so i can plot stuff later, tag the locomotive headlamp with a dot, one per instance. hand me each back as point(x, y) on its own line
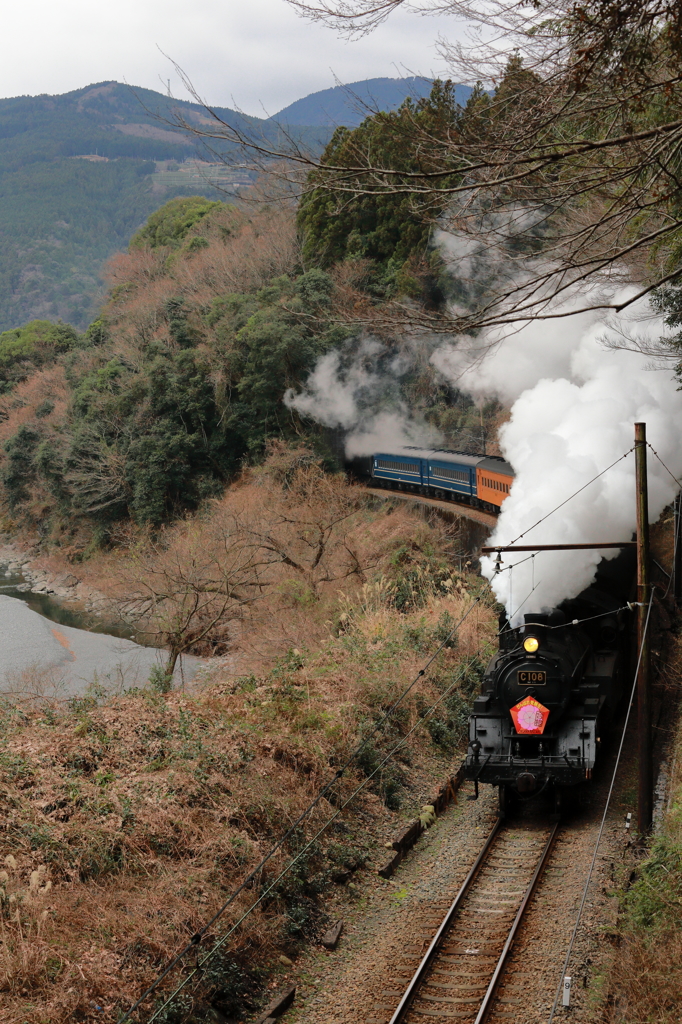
point(531, 644)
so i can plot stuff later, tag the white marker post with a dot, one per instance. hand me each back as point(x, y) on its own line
point(566, 997)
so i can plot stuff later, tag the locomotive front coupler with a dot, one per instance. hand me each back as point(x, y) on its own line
point(478, 773)
point(475, 796)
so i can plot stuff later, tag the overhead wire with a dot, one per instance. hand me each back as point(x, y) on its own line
point(590, 618)
point(575, 494)
point(678, 482)
point(603, 820)
point(223, 939)
point(509, 568)
point(676, 518)
point(198, 935)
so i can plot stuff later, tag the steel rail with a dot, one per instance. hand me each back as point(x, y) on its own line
point(497, 973)
point(437, 940)
point(428, 958)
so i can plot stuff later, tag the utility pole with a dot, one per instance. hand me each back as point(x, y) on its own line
point(645, 789)
point(677, 560)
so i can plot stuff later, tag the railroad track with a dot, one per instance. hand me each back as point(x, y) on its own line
point(459, 973)
point(477, 515)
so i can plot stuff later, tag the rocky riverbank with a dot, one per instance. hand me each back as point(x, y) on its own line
point(62, 584)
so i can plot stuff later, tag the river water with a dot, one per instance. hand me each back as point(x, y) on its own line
point(44, 652)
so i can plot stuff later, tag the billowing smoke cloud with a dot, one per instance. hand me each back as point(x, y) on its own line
point(575, 400)
point(358, 391)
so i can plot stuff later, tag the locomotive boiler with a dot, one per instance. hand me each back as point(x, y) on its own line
point(550, 692)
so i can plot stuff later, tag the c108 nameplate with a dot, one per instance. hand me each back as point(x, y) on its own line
point(531, 677)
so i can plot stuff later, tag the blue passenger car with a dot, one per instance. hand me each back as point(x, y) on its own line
point(406, 466)
point(452, 472)
point(430, 471)
point(483, 481)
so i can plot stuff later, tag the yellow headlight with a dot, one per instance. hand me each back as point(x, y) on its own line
point(531, 644)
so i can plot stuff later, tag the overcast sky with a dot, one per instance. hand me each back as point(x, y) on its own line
point(237, 52)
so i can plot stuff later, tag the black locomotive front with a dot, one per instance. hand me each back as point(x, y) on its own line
point(548, 695)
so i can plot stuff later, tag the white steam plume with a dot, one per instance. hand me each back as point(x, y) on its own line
point(358, 392)
point(575, 400)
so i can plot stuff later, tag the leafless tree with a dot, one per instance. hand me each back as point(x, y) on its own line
point(188, 589)
point(306, 528)
point(565, 178)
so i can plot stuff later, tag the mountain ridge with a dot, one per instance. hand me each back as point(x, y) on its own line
point(81, 171)
point(350, 104)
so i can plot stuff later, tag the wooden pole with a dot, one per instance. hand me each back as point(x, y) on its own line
point(560, 547)
point(645, 789)
point(677, 560)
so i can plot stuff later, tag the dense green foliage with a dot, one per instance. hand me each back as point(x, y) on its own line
point(36, 344)
point(156, 425)
point(172, 222)
point(384, 185)
point(389, 230)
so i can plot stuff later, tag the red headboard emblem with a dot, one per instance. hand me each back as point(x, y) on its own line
point(530, 717)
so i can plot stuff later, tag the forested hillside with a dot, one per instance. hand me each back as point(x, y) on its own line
point(212, 315)
point(62, 216)
point(216, 313)
point(80, 172)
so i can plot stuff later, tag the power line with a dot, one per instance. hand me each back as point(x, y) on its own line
point(676, 529)
point(679, 484)
point(590, 618)
point(198, 936)
point(223, 939)
point(571, 496)
point(603, 820)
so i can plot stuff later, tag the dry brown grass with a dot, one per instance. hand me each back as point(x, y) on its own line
point(145, 812)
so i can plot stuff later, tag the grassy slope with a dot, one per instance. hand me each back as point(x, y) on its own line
point(128, 820)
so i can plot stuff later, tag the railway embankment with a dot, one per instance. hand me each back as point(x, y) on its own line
point(645, 982)
point(611, 897)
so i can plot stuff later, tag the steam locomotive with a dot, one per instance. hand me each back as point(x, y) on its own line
point(550, 692)
point(553, 687)
point(483, 481)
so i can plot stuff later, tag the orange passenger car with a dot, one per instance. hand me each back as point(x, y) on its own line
point(494, 478)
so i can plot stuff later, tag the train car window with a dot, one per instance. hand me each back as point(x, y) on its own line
point(446, 473)
point(398, 467)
